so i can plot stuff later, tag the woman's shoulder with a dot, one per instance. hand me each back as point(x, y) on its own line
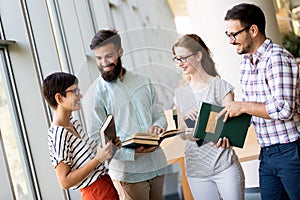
point(56, 134)
point(220, 82)
point(60, 131)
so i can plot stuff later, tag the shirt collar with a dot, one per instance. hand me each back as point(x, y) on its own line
point(260, 52)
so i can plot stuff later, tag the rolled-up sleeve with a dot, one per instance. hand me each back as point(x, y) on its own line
point(282, 79)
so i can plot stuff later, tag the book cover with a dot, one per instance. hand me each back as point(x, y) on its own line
point(148, 139)
point(189, 122)
point(108, 130)
point(211, 129)
point(137, 142)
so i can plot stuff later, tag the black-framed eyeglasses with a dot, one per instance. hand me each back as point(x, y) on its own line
point(182, 59)
point(233, 35)
point(75, 91)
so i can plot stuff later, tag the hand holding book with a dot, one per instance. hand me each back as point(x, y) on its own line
point(107, 133)
point(221, 113)
point(156, 130)
point(210, 126)
point(147, 139)
point(140, 150)
point(223, 142)
point(104, 153)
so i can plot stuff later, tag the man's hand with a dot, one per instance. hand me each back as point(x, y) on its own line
point(156, 130)
point(233, 109)
point(143, 150)
point(220, 114)
point(117, 142)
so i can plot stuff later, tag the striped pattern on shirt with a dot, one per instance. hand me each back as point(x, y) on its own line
point(74, 151)
point(272, 80)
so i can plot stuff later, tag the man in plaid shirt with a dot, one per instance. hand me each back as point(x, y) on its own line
point(270, 89)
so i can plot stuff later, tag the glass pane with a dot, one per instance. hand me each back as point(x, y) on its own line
point(10, 144)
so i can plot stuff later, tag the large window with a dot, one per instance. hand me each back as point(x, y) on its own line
point(11, 154)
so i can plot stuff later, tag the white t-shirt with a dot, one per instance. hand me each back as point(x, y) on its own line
point(205, 160)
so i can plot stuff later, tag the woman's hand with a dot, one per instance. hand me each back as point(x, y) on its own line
point(104, 153)
point(222, 142)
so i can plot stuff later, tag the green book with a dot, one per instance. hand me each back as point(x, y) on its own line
point(210, 129)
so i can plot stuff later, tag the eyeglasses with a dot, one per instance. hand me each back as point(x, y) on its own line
point(75, 91)
point(233, 35)
point(182, 59)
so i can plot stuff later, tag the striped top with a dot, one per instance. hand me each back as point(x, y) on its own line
point(272, 80)
point(74, 151)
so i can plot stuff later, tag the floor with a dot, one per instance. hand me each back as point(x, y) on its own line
point(250, 194)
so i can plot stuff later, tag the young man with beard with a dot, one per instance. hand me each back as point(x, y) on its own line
point(132, 99)
point(271, 94)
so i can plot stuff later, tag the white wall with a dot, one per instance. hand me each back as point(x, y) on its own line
point(207, 20)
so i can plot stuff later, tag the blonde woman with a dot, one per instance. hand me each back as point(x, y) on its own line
point(212, 171)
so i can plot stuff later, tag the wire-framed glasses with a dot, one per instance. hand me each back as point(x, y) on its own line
point(233, 35)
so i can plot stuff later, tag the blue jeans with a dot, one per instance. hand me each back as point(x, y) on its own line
point(279, 171)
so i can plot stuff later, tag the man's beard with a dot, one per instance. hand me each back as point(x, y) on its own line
point(112, 75)
point(246, 48)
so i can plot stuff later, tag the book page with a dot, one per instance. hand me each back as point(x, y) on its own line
point(107, 121)
point(145, 135)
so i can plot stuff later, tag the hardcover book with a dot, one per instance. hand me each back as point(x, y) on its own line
point(148, 139)
point(108, 130)
point(209, 128)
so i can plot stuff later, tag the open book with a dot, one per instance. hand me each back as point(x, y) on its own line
point(209, 128)
point(149, 139)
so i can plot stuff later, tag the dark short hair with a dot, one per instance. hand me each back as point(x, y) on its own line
point(56, 83)
point(248, 14)
point(104, 37)
point(194, 43)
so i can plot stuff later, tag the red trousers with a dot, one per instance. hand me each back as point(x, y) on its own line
point(102, 188)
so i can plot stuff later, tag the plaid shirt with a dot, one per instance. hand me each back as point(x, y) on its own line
point(272, 80)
